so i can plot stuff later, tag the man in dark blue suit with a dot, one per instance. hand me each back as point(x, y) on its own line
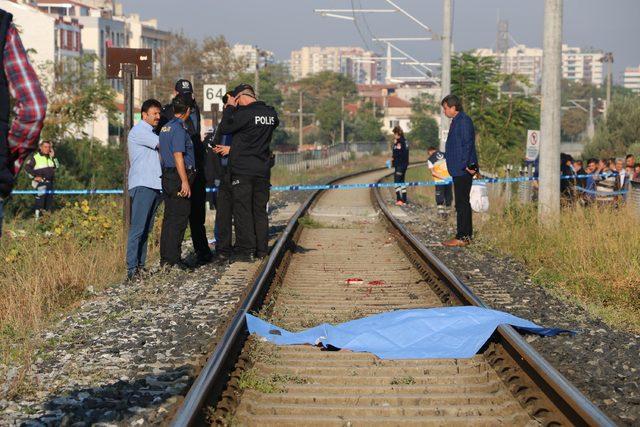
point(462, 163)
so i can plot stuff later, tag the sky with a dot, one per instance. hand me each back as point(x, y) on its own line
point(285, 25)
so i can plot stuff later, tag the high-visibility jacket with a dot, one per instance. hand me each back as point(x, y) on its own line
point(42, 166)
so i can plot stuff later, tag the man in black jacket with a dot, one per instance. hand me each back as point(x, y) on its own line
point(197, 216)
point(251, 123)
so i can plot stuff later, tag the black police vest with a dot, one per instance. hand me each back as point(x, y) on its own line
point(6, 177)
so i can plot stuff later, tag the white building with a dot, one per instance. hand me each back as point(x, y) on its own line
point(632, 78)
point(363, 66)
point(249, 54)
point(41, 42)
point(577, 64)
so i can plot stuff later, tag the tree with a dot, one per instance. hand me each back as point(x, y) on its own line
point(210, 61)
point(424, 128)
point(77, 92)
point(574, 123)
point(620, 134)
point(501, 120)
point(364, 126)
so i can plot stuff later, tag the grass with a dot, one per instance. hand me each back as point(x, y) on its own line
point(49, 266)
point(591, 256)
point(403, 381)
point(251, 379)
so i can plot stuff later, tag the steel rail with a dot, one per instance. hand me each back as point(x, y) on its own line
point(213, 376)
point(567, 398)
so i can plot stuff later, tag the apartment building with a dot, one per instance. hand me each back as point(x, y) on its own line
point(252, 55)
point(577, 64)
point(631, 79)
point(361, 65)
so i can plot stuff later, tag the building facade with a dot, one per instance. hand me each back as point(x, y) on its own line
point(584, 65)
point(252, 56)
point(361, 65)
point(631, 79)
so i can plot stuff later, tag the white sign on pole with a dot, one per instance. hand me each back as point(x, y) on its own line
point(213, 95)
point(533, 145)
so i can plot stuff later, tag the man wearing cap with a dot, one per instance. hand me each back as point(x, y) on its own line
point(197, 216)
point(251, 123)
point(177, 158)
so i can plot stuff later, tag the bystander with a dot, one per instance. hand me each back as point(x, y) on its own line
point(42, 167)
point(144, 185)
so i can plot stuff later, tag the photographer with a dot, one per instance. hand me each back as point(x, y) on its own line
point(462, 164)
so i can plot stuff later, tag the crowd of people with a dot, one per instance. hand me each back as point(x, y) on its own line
point(171, 162)
point(597, 180)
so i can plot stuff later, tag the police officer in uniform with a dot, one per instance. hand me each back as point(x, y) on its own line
point(251, 124)
point(197, 216)
point(222, 176)
point(178, 175)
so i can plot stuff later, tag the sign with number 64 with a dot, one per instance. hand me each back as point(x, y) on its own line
point(213, 95)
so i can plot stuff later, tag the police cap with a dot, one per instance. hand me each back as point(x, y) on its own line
point(241, 88)
point(184, 87)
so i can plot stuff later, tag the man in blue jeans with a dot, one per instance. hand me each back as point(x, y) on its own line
point(144, 185)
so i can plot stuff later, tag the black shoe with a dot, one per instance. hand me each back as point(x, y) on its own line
point(222, 258)
point(261, 255)
point(204, 259)
point(180, 265)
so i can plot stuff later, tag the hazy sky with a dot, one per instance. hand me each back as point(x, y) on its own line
point(285, 25)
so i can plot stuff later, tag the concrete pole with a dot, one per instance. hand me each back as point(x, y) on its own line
point(609, 58)
point(389, 64)
point(591, 127)
point(300, 138)
point(445, 78)
point(342, 119)
point(549, 194)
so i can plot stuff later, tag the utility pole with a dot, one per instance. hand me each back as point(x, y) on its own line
point(549, 194)
point(256, 76)
point(445, 78)
point(300, 138)
point(591, 128)
point(389, 64)
point(608, 59)
point(342, 120)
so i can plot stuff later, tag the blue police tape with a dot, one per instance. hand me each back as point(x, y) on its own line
point(602, 193)
point(317, 186)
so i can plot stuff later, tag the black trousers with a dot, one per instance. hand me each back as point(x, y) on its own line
point(462, 189)
point(250, 198)
point(444, 195)
point(224, 219)
point(44, 201)
point(197, 216)
point(401, 188)
point(176, 217)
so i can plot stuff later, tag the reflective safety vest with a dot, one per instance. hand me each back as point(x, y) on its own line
point(43, 166)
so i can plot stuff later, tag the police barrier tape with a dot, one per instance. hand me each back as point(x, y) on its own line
point(336, 186)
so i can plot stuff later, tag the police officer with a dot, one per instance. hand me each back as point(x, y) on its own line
point(222, 176)
point(251, 124)
point(178, 175)
point(197, 216)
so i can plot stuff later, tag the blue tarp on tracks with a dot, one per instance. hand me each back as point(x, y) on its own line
point(436, 333)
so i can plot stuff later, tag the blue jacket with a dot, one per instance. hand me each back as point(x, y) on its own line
point(461, 145)
point(400, 154)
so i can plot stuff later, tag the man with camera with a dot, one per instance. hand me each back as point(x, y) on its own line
point(178, 175)
point(462, 164)
point(251, 124)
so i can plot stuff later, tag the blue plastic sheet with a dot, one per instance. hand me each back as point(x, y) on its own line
point(449, 332)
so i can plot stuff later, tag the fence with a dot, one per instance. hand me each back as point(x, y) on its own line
point(327, 156)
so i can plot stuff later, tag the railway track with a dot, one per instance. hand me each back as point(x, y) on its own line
point(337, 235)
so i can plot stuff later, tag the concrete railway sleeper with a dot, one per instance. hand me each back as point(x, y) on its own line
point(336, 235)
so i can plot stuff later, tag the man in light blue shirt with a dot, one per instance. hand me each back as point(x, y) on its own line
point(144, 185)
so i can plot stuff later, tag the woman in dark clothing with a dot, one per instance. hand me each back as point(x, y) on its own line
point(400, 162)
